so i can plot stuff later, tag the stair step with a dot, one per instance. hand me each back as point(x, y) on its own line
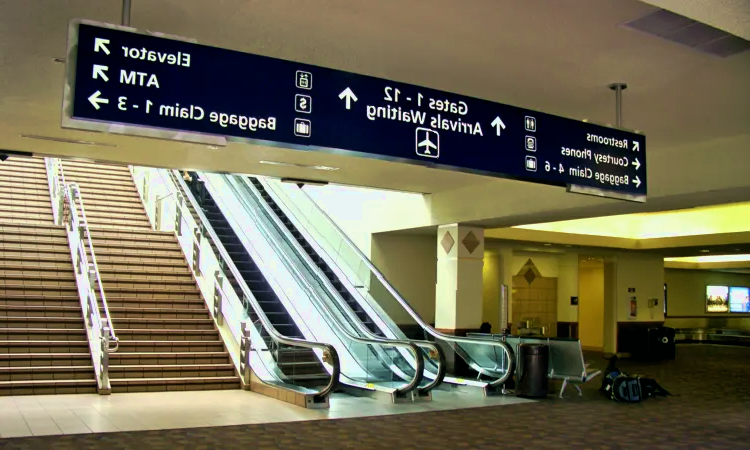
point(40, 373)
point(42, 298)
point(46, 312)
point(151, 271)
point(48, 387)
point(44, 359)
point(115, 233)
point(171, 371)
point(163, 358)
point(117, 282)
point(151, 346)
point(173, 384)
point(163, 334)
point(29, 334)
point(121, 313)
point(31, 323)
point(166, 302)
point(71, 346)
point(154, 293)
point(154, 324)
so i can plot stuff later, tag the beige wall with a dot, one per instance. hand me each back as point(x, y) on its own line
point(567, 286)
point(686, 293)
point(591, 307)
point(409, 263)
point(491, 282)
point(687, 289)
point(645, 273)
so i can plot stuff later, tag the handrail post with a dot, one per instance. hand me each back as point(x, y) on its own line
point(178, 216)
point(197, 251)
point(104, 360)
point(217, 299)
point(245, 349)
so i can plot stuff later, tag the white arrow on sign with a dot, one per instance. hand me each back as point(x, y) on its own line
point(99, 72)
point(636, 146)
point(637, 164)
point(498, 124)
point(96, 100)
point(637, 181)
point(101, 44)
point(349, 97)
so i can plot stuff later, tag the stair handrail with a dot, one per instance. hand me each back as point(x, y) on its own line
point(347, 311)
point(332, 357)
point(506, 350)
point(414, 383)
point(75, 193)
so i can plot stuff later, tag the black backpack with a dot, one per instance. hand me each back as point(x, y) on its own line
point(621, 387)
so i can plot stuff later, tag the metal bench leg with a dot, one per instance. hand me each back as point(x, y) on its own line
point(562, 389)
point(578, 388)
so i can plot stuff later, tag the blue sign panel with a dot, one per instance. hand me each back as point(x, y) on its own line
point(136, 79)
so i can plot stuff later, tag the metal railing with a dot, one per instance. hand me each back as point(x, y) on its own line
point(166, 207)
point(362, 273)
point(101, 333)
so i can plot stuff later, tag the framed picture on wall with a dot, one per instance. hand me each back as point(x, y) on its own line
point(717, 299)
point(739, 299)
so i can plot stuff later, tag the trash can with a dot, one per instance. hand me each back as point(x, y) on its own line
point(660, 343)
point(533, 370)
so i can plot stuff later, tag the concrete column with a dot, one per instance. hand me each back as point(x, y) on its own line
point(458, 305)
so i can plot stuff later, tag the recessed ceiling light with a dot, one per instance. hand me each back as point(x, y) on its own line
point(66, 141)
point(548, 245)
point(704, 250)
point(212, 147)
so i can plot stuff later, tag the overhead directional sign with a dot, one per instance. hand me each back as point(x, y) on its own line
point(121, 76)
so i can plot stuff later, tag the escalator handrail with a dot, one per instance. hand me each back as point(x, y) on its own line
point(405, 304)
point(267, 325)
point(418, 356)
point(441, 369)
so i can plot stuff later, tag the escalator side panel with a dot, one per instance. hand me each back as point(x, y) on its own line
point(301, 366)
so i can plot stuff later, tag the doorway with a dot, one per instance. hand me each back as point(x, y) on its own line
point(591, 302)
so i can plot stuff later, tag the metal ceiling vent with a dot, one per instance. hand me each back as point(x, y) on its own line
point(682, 30)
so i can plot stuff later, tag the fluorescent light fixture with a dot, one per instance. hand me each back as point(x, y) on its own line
point(301, 166)
point(303, 181)
point(66, 141)
point(711, 259)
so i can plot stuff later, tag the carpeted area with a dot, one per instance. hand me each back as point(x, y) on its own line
point(710, 409)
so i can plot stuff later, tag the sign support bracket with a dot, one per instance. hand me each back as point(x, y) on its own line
point(125, 13)
point(618, 88)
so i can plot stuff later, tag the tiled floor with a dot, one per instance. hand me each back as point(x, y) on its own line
point(91, 413)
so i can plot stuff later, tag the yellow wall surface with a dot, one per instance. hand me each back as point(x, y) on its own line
point(408, 262)
point(645, 274)
point(491, 282)
point(686, 299)
point(591, 307)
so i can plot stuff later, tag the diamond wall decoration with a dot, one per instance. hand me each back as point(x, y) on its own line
point(447, 242)
point(471, 242)
point(529, 276)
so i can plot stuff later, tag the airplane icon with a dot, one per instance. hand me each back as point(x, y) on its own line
point(428, 143)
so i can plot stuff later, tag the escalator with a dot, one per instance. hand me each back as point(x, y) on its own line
point(300, 366)
point(492, 362)
point(319, 261)
point(380, 366)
